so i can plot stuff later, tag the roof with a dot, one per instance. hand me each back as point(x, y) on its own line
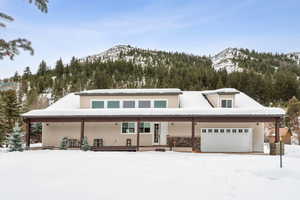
point(142, 91)
point(192, 103)
point(222, 91)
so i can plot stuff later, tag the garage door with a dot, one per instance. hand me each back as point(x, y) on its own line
point(226, 139)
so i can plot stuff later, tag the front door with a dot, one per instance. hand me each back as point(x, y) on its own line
point(156, 134)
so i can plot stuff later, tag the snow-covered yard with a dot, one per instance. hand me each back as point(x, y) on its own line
point(78, 175)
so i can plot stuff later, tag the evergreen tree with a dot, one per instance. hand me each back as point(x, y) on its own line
point(15, 140)
point(42, 70)
point(11, 108)
point(85, 145)
point(64, 143)
point(3, 124)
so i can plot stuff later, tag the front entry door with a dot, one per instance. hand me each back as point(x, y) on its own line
point(156, 134)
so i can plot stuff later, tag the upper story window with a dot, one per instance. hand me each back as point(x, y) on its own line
point(144, 104)
point(128, 104)
point(160, 104)
point(226, 103)
point(97, 104)
point(113, 104)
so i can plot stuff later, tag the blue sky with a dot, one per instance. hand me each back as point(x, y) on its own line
point(85, 27)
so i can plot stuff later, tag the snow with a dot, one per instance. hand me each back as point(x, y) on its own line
point(77, 175)
point(221, 90)
point(223, 60)
point(158, 112)
point(133, 91)
point(192, 103)
point(193, 99)
point(70, 101)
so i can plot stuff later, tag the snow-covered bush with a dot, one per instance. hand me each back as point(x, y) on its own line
point(85, 145)
point(64, 143)
point(15, 140)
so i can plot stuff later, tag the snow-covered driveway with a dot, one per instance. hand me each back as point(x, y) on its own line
point(77, 175)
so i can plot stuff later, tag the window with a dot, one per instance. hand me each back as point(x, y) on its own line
point(240, 130)
point(226, 103)
point(73, 143)
point(98, 143)
point(144, 104)
point(128, 127)
point(227, 130)
point(145, 127)
point(203, 130)
point(128, 104)
point(210, 130)
point(222, 130)
point(216, 130)
point(160, 104)
point(113, 104)
point(97, 104)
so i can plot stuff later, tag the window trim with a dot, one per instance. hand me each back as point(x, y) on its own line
point(151, 128)
point(135, 128)
point(113, 100)
point(166, 100)
point(91, 103)
point(138, 100)
point(226, 99)
point(121, 103)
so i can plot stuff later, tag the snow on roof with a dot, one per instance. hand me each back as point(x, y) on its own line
point(193, 99)
point(192, 103)
point(221, 91)
point(156, 112)
point(70, 101)
point(131, 91)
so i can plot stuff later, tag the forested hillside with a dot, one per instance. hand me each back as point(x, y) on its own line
point(269, 78)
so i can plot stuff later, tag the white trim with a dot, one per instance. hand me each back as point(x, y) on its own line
point(91, 103)
point(167, 103)
point(226, 98)
point(135, 128)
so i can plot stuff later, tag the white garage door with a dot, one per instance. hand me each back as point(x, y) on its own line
point(226, 139)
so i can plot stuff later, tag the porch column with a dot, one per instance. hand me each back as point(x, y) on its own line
point(138, 136)
point(193, 135)
point(277, 130)
point(28, 132)
point(82, 132)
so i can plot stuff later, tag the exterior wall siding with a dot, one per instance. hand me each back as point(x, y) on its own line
point(111, 133)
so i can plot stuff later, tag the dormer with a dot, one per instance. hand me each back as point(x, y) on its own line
point(221, 98)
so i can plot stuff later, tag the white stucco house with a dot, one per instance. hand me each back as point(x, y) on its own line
point(222, 120)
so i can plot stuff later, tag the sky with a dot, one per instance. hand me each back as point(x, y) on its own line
point(203, 27)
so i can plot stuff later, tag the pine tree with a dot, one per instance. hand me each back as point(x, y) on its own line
point(85, 145)
point(64, 143)
point(15, 140)
point(3, 124)
point(11, 108)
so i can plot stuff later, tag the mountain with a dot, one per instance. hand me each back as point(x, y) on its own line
point(224, 60)
point(267, 77)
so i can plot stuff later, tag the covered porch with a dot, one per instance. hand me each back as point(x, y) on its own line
point(191, 141)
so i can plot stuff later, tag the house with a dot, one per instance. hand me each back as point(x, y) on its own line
point(284, 133)
point(222, 120)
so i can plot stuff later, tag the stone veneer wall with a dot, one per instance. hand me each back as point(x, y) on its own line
point(183, 142)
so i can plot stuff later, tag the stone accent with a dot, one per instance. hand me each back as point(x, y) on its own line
point(275, 148)
point(183, 142)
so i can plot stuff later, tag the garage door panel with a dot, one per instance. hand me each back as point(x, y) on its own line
point(230, 140)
